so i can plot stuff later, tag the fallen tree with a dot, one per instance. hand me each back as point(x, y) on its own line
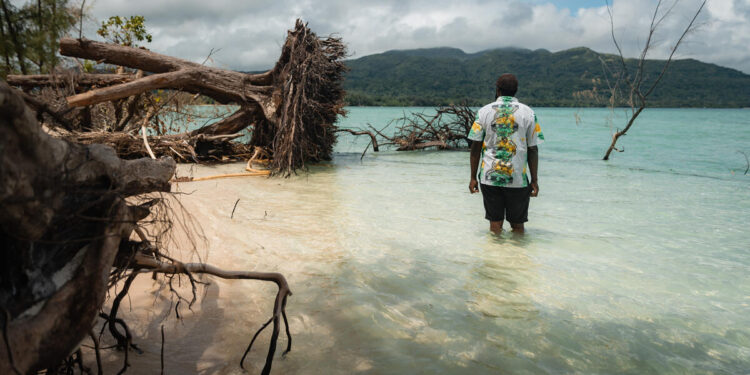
point(447, 129)
point(292, 108)
point(73, 222)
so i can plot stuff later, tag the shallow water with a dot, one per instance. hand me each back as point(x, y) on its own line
point(637, 265)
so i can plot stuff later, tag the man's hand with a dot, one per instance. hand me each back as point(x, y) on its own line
point(473, 186)
point(534, 189)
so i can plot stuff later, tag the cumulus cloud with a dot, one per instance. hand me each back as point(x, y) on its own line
point(248, 34)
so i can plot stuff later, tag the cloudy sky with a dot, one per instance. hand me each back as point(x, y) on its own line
point(248, 33)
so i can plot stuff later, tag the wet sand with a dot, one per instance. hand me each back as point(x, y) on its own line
point(266, 233)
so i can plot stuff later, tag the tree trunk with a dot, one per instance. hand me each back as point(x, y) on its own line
point(14, 37)
point(60, 80)
point(6, 53)
point(222, 85)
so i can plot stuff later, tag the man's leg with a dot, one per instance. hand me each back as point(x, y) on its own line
point(494, 207)
point(496, 227)
point(516, 227)
point(516, 207)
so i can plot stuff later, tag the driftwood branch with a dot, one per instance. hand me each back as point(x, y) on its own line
point(373, 139)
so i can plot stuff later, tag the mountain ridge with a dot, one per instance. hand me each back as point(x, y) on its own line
point(572, 77)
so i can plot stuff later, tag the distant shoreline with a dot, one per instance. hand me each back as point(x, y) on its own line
point(537, 106)
point(479, 106)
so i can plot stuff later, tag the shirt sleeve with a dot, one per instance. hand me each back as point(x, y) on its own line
point(477, 129)
point(534, 134)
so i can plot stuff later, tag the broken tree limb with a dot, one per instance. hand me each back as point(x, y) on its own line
point(145, 143)
point(423, 145)
point(373, 139)
point(131, 88)
point(234, 123)
point(79, 80)
point(218, 176)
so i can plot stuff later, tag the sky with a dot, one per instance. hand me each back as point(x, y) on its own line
point(247, 34)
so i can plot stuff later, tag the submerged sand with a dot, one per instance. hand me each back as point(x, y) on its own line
point(273, 229)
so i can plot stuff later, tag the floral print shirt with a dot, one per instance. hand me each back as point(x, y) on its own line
point(506, 128)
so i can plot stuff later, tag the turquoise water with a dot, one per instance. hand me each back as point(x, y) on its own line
point(638, 265)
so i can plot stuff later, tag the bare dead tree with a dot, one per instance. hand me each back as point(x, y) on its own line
point(634, 78)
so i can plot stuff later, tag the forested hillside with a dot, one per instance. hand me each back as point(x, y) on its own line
point(437, 76)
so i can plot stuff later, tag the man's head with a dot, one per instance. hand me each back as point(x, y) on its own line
point(506, 85)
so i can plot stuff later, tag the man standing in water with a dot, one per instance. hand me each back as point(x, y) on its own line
point(505, 134)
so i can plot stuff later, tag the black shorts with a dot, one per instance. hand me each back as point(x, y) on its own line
point(511, 204)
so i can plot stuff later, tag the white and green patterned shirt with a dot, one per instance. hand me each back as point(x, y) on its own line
point(507, 129)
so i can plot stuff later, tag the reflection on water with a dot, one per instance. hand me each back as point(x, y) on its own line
point(504, 280)
point(393, 271)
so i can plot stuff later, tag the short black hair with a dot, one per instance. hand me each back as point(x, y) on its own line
point(506, 85)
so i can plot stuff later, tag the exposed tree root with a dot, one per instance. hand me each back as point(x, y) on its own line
point(97, 352)
point(161, 352)
point(123, 340)
point(67, 213)
point(152, 264)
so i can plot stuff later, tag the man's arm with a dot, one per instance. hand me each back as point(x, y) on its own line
point(476, 151)
point(533, 156)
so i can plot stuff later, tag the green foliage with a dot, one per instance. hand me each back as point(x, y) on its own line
point(125, 30)
point(570, 78)
point(88, 66)
point(30, 34)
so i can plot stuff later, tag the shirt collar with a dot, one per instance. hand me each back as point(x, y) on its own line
point(511, 99)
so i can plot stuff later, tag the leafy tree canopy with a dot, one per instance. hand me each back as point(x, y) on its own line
point(126, 31)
